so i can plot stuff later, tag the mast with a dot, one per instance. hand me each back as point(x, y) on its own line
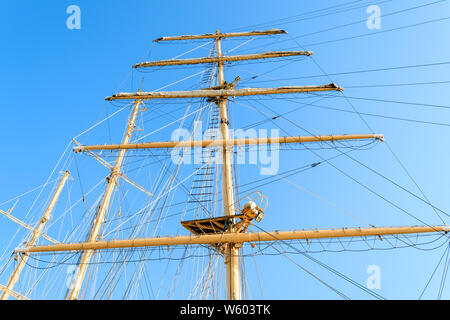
point(231, 238)
point(223, 35)
point(238, 238)
point(26, 226)
point(220, 95)
point(231, 253)
point(266, 55)
point(211, 93)
point(228, 142)
point(83, 263)
point(8, 290)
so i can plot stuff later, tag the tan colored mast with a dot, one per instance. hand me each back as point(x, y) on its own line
point(83, 264)
point(211, 93)
point(228, 142)
point(107, 165)
point(231, 253)
point(8, 290)
point(16, 295)
point(231, 237)
point(222, 35)
point(26, 226)
point(265, 55)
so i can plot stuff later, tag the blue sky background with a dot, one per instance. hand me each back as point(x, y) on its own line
point(54, 81)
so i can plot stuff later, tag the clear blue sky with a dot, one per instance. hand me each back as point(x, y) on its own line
point(54, 81)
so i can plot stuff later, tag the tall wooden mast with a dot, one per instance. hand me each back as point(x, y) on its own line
point(8, 290)
point(231, 253)
point(83, 263)
point(237, 238)
point(231, 238)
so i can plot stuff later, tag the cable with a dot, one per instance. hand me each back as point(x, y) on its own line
point(384, 116)
point(396, 84)
point(444, 276)
point(373, 33)
point(312, 274)
point(318, 13)
point(377, 296)
point(392, 152)
point(429, 280)
point(354, 72)
point(393, 101)
point(358, 21)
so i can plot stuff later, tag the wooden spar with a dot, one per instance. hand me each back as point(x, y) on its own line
point(33, 238)
point(265, 55)
point(229, 142)
point(74, 291)
point(222, 35)
point(231, 237)
point(16, 295)
point(107, 165)
point(26, 226)
point(231, 253)
point(223, 92)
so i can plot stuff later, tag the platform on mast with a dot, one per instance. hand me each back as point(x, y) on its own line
point(210, 225)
